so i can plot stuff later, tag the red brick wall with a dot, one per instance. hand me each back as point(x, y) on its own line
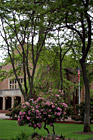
point(4, 83)
point(83, 92)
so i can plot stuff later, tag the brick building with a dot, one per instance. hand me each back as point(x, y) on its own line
point(72, 76)
point(9, 91)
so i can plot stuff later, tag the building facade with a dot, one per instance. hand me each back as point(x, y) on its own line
point(9, 91)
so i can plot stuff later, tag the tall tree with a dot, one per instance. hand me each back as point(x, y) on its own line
point(76, 16)
point(24, 30)
point(81, 24)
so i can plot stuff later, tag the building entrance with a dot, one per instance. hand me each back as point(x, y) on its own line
point(1, 103)
point(8, 103)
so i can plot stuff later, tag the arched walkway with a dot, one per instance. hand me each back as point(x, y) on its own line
point(1, 103)
point(7, 103)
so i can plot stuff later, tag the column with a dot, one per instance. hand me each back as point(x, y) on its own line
point(4, 103)
point(12, 103)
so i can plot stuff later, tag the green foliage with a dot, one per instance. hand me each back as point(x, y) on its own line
point(48, 72)
point(14, 112)
point(78, 113)
point(3, 74)
point(1, 64)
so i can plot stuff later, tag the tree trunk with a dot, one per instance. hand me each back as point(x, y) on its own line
point(61, 76)
point(31, 88)
point(32, 80)
point(87, 98)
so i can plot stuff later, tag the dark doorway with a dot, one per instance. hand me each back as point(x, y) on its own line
point(8, 103)
point(17, 100)
point(1, 103)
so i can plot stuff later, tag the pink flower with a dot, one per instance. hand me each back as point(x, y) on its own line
point(59, 113)
point(27, 103)
point(28, 118)
point(20, 113)
point(31, 100)
point(50, 110)
point(39, 98)
point(53, 106)
point(29, 112)
point(44, 113)
point(62, 93)
point(24, 106)
point(36, 106)
point(65, 105)
point(49, 115)
point(37, 111)
point(33, 110)
point(55, 113)
point(42, 110)
point(60, 90)
point(57, 95)
point(24, 113)
point(57, 138)
point(39, 125)
point(58, 108)
point(19, 119)
point(47, 103)
point(64, 112)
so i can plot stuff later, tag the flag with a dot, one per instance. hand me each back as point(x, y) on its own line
point(78, 74)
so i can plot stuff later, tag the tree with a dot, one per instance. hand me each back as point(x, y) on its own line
point(25, 28)
point(80, 23)
point(75, 15)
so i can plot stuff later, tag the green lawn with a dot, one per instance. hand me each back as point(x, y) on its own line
point(9, 129)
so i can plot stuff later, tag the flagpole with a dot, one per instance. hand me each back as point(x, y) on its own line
point(79, 90)
point(78, 85)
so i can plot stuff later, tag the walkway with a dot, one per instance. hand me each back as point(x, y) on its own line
point(3, 116)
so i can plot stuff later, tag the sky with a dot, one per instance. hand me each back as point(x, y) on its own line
point(2, 51)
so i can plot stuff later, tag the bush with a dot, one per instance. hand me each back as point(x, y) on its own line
point(47, 110)
point(79, 114)
point(14, 112)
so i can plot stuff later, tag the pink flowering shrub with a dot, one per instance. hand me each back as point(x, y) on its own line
point(30, 114)
point(48, 110)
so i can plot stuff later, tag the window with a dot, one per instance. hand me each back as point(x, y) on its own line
point(13, 84)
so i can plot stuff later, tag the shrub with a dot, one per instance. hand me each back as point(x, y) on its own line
point(79, 114)
point(14, 112)
point(47, 110)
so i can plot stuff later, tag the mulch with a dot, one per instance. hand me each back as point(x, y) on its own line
point(72, 122)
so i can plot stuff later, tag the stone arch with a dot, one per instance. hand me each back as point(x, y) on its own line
point(7, 102)
point(17, 100)
point(1, 103)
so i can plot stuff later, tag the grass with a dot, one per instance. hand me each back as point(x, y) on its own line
point(9, 129)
